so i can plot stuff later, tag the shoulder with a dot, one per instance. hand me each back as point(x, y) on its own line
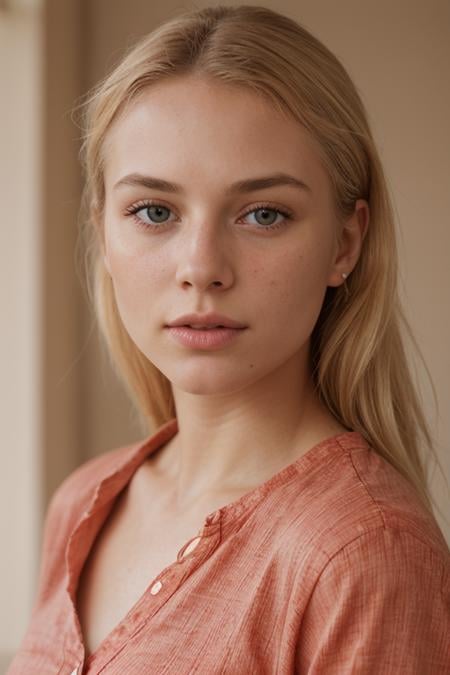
point(77, 490)
point(99, 479)
point(381, 603)
point(352, 499)
point(91, 470)
point(372, 574)
point(78, 505)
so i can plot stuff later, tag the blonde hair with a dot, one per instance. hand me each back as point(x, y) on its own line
point(358, 358)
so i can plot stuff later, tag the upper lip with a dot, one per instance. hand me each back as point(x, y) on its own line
point(210, 319)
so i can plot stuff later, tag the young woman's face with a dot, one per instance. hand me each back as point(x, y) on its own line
point(263, 257)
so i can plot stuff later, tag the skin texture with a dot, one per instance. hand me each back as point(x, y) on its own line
point(248, 409)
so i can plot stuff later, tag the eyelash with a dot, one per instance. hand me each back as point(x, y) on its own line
point(133, 210)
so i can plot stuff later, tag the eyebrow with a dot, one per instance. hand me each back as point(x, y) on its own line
point(239, 187)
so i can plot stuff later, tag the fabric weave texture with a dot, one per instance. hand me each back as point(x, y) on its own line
point(330, 567)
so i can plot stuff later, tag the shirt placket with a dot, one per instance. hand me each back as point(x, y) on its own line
point(192, 554)
point(77, 550)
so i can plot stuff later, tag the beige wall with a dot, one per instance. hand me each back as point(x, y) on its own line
point(20, 198)
point(39, 193)
point(62, 404)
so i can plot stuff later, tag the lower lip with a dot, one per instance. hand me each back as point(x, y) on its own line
point(204, 339)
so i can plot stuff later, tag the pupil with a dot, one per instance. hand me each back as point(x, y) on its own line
point(159, 211)
point(266, 213)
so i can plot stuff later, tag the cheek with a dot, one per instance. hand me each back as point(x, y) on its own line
point(295, 285)
point(132, 264)
point(136, 279)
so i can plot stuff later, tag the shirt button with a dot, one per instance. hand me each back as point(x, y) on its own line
point(156, 588)
point(191, 546)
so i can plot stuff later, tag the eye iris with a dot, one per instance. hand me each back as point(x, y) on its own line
point(156, 210)
point(158, 214)
point(268, 212)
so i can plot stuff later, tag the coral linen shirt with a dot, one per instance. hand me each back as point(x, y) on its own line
point(331, 566)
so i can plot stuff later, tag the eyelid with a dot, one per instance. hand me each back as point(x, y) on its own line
point(269, 205)
point(142, 203)
point(246, 210)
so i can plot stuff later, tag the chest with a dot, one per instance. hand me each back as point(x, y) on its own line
point(127, 555)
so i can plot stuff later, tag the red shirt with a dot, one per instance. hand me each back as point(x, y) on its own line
point(331, 566)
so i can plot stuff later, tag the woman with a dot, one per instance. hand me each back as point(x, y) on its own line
point(244, 267)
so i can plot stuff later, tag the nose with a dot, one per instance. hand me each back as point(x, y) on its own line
point(205, 259)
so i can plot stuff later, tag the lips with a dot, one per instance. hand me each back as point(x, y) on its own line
point(206, 321)
point(189, 325)
point(204, 338)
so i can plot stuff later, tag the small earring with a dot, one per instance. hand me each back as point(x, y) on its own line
point(344, 275)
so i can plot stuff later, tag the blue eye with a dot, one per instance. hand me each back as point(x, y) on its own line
point(156, 211)
point(153, 211)
point(267, 209)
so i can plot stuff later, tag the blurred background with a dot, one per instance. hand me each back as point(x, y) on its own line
point(60, 402)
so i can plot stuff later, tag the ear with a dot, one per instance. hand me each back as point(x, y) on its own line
point(349, 246)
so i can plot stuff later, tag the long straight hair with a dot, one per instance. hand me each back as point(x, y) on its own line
point(358, 355)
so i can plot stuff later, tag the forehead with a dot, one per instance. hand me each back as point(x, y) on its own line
point(207, 126)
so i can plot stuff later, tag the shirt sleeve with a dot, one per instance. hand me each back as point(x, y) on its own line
point(380, 606)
